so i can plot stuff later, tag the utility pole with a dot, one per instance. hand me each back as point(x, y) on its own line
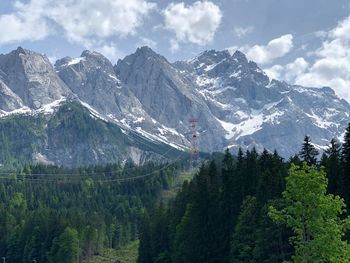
point(194, 137)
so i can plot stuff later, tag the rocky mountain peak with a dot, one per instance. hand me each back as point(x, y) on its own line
point(142, 56)
point(147, 51)
point(20, 50)
point(94, 55)
point(31, 77)
point(86, 53)
point(234, 101)
point(205, 60)
point(89, 60)
point(240, 57)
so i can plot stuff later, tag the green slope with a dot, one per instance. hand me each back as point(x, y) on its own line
point(70, 137)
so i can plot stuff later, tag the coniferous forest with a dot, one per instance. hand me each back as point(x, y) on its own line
point(257, 208)
point(251, 207)
point(53, 214)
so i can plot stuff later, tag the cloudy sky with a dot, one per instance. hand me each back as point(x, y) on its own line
point(302, 42)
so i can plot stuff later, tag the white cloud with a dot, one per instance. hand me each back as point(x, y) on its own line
point(296, 68)
point(174, 45)
point(321, 34)
point(243, 31)
point(276, 48)
point(332, 64)
point(275, 72)
point(195, 23)
point(80, 21)
point(144, 41)
point(109, 50)
point(25, 23)
point(85, 19)
point(288, 72)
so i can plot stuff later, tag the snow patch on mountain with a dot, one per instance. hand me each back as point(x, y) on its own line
point(76, 61)
point(320, 121)
point(94, 113)
point(49, 108)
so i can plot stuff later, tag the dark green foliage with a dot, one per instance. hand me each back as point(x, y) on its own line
point(145, 248)
point(331, 161)
point(345, 175)
point(222, 215)
point(65, 247)
point(207, 221)
point(272, 240)
point(47, 209)
point(308, 152)
point(244, 235)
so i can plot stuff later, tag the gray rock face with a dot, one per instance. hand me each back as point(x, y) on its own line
point(92, 79)
point(9, 101)
point(32, 78)
point(257, 112)
point(168, 95)
point(234, 101)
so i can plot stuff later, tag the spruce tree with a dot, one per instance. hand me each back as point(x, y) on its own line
point(271, 178)
point(145, 248)
point(272, 241)
point(332, 164)
point(345, 173)
point(65, 248)
point(227, 203)
point(308, 152)
point(244, 236)
point(251, 175)
point(186, 247)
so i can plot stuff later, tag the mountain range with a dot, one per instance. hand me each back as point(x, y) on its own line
point(86, 110)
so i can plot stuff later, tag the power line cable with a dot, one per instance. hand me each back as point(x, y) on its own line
point(80, 178)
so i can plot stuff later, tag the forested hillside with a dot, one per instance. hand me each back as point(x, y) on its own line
point(73, 137)
point(257, 208)
point(253, 207)
point(53, 214)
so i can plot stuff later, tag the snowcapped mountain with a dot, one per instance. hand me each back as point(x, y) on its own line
point(257, 111)
point(234, 101)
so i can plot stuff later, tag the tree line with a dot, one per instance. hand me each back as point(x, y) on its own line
point(257, 208)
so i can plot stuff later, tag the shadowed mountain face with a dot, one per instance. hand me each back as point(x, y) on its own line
point(234, 101)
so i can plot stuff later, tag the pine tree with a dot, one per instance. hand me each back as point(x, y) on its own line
point(295, 160)
point(332, 165)
point(145, 248)
point(271, 179)
point(345, 173)
point(252, 172)
point(308, 152)
point(244, 236)
point(65, 248)
point(159, 233)
point(228, 206)
point(272, 241)
point(186, 249)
